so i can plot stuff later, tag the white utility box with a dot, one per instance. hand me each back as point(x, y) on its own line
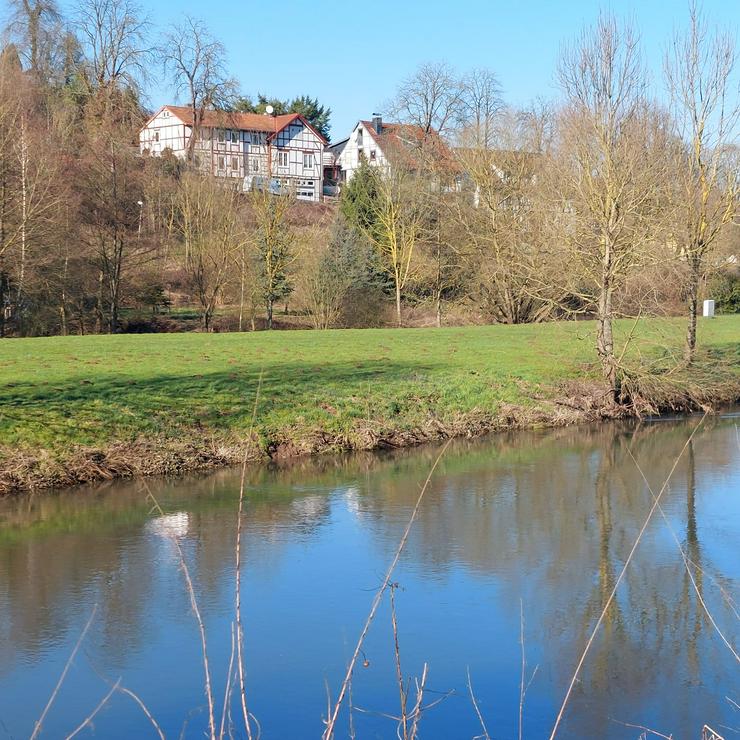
point(709, 308)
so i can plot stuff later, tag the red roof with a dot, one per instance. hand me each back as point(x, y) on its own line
point(399, 139)
point(238, 121)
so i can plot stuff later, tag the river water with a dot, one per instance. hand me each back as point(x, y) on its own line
point(518, 534)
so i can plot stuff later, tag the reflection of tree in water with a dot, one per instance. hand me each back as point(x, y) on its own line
point(552, 519)
point(547, 516)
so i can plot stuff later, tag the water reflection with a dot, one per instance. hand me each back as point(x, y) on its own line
point(547, 518)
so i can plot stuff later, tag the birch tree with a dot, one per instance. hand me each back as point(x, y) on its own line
point(698, 69)
point(398, 217)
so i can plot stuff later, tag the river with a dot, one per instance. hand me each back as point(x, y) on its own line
point(518, 534)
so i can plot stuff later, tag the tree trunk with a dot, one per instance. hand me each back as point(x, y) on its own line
point(398, 302)
point(241, 299)
point(693, 302)
point(3, 280)
point(269, 313)
point(99, 304)
point(605, 342)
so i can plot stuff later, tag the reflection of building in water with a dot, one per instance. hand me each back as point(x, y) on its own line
point(548, 518)
point(351, 496)
point(310, 506)
point(169, 525)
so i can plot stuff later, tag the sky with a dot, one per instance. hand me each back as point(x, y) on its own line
point(352, 55)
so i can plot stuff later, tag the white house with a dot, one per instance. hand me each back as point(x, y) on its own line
point(366, 142)
point(381, 144)
point(283, 151)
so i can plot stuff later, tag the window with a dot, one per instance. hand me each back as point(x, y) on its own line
point(235, 137)
point(222, 163)
point(203, 134)
point(235, 164)
point(255, 164)
point(307, 160)
point(372, 155)
point(283, 159)
point(255, 138)
point(221, 135)
point(156, 136)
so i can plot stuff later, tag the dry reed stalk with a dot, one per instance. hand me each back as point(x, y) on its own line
point(522, 687)
point(399, 673)
point(227, 692)
point(133, 696)
point(67, 665)
point(524, 667)
point(609, 600)
point(88, 720)
point(198, 618)
point(485, 735)
point(685, 561)
point(144, 709)
point(238, 570)
point(645, 730)
point(418, 707)
point(332, 716)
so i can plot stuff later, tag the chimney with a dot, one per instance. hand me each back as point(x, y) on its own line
point(378, 123)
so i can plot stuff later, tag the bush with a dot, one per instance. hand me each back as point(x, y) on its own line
point(725, 290)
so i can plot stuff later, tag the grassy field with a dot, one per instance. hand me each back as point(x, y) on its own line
point(69, 396)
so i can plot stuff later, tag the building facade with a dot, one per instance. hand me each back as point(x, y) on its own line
point(284, 153)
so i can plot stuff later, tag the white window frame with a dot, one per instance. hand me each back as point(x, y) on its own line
point(255, 165)
point(310, 156)
point(221, 136)
point(221, 163)
point(283, 156)
point(235, 164)
point(255, 138)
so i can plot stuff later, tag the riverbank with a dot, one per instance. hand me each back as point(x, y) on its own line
point(80, 409)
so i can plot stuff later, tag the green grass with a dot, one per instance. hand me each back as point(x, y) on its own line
point(58, 393)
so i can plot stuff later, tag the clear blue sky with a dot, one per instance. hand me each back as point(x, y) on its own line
point(351, 55)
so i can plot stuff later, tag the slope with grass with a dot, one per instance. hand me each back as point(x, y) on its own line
point(74, 409)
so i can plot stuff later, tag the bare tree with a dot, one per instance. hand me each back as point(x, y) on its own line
point(32, 24)
point(607, 183)
point(398, 216)
point(698, 70)
point(481, 103)
point(431, 98)
point(196, 62)
point(114, 35)
point(273, 246)
point(212, 234)
point(29, 200)
point(504, 218)
point(110, 181)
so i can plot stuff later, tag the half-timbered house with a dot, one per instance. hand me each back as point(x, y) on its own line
point(282, 152)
